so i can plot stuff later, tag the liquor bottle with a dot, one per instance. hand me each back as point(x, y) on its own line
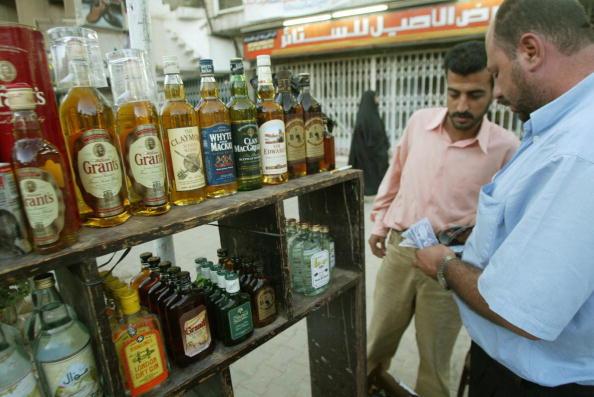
point(244, 128)
point(147, 283)
point(167, 296)
point(188, 324)
point(164, 268)
point(167, 287)
point(234, 315)
point(181, 138)
point(137, 126)
point(294, 126)
point(328, 244)
point(139, 345)
point(203, 276)
point(144, 270)
point(217, 140)
point(17, 372)
point(271, 128)
point(224, 260)
point(291, 230)
point(42, 177)
point(316, 264)
point(88, 127)
point(246, 276)
point(314, 126)
point(64, 356)
point(263, 298)
point(329, 162)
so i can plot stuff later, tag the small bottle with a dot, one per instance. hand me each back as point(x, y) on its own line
point(64, 355)
point(188, 324)
point(217, 139)
point(43, 179)
point(246, 276)
point(244, 127)
point(263, 299)
point(181, 138)
point(211, 273)
point(154, 289)
point(166, 290)
point(235, 314)
point(203, 278)
point(294, 125)
point(291, 230)
point(144, 270)
point(271, 128)
point(328, 244)
point(154, 276)
point(316, 264)
point(17, 377)
point(139, 345)
point(314, 126)
point(329, 162)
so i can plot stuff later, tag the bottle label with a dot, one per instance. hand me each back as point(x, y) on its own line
point(75, 376)
point(240, 320)
point(295, 140)
point(332, 253)
point(12, 217)
point(320, 269)
point(218, 154)
point(44, 204)
point(146, 168)
point(195, 331)
point(246, 146)
point(24, 387)
point(314, 133)
point(266, 303)
point(144, 359)
point(186, 158)
point(272, 146)
point(100, 172)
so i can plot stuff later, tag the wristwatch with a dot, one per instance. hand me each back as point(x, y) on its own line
point(441, 271)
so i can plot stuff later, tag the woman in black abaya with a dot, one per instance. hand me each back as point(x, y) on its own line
point(369, 147)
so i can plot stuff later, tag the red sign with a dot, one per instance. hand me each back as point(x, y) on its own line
point(447, 20)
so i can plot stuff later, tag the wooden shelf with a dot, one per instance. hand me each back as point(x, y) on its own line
point(223, 356)
point(96, 242)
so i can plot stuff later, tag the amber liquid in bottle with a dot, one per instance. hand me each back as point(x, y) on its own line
point(271, 128)
point(263, 301)
point(88, 127)
point(314, 126)
point(294, 126)
point(181, 140)
point(42, 178)
point(329, 162)
point(217, 141)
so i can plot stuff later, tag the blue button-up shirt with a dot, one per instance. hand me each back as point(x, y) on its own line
point(534, 238)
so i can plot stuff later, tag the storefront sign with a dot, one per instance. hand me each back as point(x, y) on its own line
point(448, 20)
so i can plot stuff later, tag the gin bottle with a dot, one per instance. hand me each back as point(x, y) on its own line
point(315, 262)
point(296, 258)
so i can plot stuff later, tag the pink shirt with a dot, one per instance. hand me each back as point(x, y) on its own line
point(432, 177)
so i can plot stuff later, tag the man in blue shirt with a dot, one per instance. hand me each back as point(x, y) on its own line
point(525, 284)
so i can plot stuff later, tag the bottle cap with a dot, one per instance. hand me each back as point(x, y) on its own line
point(315, 228)
point(263, 60)
point(164, 266)
point(303, 79)
point(20, 96)
point(130, 302)
point(121, 290)
point(184, 277)
point(145, 256)
point(232, 284)
point(237, 66)
point(200, 260)
point(154, 262)
point(206, 67)
point(304, 226)
point(221, 252)
point(43, 281)
point(170, 65)
point(324, 229)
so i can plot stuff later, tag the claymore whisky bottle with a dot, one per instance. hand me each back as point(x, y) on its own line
point(314, 126)
point(88, 127)
point(294, 126)
point(271, 127)
point(181, 138)
point(42, 176)
point(244, 127)
point(217, 140)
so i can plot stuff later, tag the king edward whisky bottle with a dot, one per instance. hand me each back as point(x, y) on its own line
point(294, 126)
point(181, 140)
point(314, 126)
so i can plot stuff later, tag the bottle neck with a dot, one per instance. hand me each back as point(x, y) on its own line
point(265, 86)
point(46, 296)
point(208, 87)
point(81, 74)
point(185, 288)
point(26, 124)
point(135, 89)
point(55, 317)
point(238, 86)
point(174, 87)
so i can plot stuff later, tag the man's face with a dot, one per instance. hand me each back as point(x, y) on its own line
point(469, 98)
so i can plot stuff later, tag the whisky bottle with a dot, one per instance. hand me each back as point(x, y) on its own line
point(17, 377)
point(88, 127)
point(314, 126)
point(234, 315)
point(294, 126)
point(137, 126)
point(148, 282)
point(181, 138)
point(217, 140)
point(263, 298)
point(164, 268)
point(271, 128)
point(144, 270)
point(244, 128)
point(329, 161)
point(167, 286)
point(42, 176)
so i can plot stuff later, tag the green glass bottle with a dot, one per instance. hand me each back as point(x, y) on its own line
point(244, 127)
point(203, 276)
point(234, 315)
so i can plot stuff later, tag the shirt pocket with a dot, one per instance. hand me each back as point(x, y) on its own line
point(488, 230)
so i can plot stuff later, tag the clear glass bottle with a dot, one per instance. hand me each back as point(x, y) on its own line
point(217, 139)
point(315, 264)
point(43, 179)
point(234, 314)
point(296, 258)
point(328, 244)
point(181, 138)
point(64, 355)
point(294, 125)
point(246, 144)
point(144, 270)
point(314, 125)
point(18, 379)
point(271, 128)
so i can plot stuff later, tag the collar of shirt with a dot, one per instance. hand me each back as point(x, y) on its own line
point(437, 123)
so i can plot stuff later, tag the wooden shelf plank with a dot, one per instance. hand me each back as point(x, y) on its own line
point(223, 356)
point(96, 242)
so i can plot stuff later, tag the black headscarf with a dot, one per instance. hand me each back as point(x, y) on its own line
point(369, 123)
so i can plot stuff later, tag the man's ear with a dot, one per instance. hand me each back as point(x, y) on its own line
point(531, 51)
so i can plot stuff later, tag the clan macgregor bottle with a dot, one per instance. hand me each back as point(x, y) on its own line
point(294, 126)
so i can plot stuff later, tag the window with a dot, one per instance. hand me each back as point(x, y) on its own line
point(224, 5)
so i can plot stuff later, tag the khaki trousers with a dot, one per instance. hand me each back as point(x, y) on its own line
point(402, 291)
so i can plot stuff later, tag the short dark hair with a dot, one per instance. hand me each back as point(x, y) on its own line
point(466, 58)
point(563, 22)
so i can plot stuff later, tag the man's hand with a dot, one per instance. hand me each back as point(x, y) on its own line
point(428, 259)
point(378, 245)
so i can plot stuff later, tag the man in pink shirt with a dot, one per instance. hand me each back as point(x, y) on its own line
point(438, 167)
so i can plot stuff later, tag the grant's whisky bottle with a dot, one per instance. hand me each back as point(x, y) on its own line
point(244, 127)
point(271, 127)
point(294, 126)
point(314, 126)
point(217, 141)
